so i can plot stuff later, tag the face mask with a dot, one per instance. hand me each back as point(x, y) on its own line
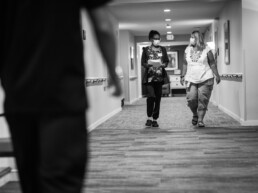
point(156, 42)
point(192, 41)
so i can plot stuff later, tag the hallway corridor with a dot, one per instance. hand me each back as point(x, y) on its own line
point(62, 57)
point(177, 158)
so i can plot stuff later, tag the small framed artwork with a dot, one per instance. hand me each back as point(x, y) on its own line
point(132, 57)
point(227, 42)
point(132, 63)
point(173, 60)
point(131, 52)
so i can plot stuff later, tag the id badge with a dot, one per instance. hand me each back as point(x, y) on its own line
point(187, 84)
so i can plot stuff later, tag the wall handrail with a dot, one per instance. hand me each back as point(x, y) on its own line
point(232, 77)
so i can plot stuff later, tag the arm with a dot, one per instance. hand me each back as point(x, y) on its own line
point(106, 39)
point(144, 60)
point(213, 66)
point(182, 80)
point(165, 58)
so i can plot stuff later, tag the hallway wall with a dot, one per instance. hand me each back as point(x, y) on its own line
point(129, 66)
point(228, 95)
point(250, 42)
point(102, 105)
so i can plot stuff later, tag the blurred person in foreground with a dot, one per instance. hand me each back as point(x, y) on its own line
point(199, 69)
point(42, 74)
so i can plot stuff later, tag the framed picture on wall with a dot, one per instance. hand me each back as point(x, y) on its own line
point(132, 63)
point(173, 60)
point(132, 57)
point(227, 42)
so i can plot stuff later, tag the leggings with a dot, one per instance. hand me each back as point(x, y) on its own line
point(154, 93)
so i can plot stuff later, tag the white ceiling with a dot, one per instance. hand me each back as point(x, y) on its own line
point(141, 16)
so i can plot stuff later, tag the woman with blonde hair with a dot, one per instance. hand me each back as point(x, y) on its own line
point(198, 73)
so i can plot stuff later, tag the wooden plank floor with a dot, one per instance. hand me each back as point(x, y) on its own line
point(177, 157)
point(125, 157)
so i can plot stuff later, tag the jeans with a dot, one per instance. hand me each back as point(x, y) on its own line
point(198, 95)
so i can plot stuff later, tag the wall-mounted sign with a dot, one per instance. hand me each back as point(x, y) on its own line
point(170, 37)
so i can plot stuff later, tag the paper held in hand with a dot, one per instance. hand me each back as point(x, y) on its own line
point(155, 63)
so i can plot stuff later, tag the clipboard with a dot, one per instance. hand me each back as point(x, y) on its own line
point(155, 63)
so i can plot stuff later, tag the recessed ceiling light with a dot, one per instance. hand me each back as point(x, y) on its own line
point(169, 32)
point(166, 10)
point(168, 26)
point(167, 19)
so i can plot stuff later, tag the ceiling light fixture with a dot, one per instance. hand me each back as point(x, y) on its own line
point(166, 10)
point(169, 32)
point(167, 19)
point(168, 26)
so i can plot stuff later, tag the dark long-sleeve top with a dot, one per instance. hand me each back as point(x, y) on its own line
point(148, 53)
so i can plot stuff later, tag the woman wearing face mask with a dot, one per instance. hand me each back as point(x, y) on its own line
point(198, 73)
point(154, 60)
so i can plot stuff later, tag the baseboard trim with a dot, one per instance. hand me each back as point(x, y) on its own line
point(103, 119)
point(5, 176)
point(236, 117)
point(11, 176)
point(249, 122)
point(4, 180)
point(230, 113)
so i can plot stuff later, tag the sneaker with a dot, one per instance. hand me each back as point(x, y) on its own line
point(201, 124)
point(148, 123)
point(195, 120)
point(155, 124)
